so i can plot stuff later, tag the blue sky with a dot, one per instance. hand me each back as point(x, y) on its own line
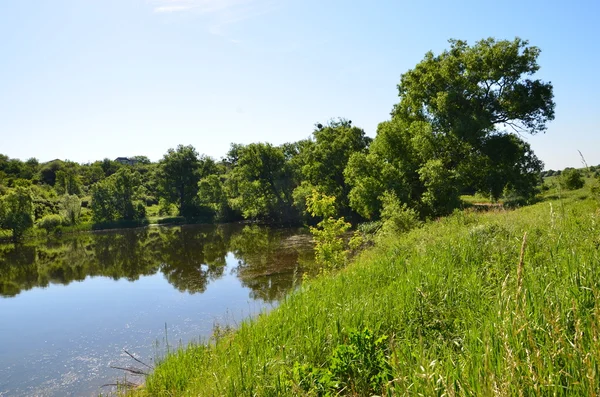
point(89, 79)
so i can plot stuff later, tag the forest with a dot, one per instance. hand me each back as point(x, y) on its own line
point(458, 128)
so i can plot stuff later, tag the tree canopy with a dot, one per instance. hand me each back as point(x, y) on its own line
point(459, 127)
point(469, 91)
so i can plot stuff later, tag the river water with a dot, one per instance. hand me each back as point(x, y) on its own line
point(71, 306)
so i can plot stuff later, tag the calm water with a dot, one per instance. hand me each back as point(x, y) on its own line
point(70, 306)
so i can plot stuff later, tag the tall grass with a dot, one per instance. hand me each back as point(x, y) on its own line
point(467, 306)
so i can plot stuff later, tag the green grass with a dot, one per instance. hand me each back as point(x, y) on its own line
point(477, 199)
point(462, 313)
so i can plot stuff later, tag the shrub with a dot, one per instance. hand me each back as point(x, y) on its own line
point(397, 217)
point(572, 179)
point(166, 208)
point(330, 248)
point(50, 222)
point(360, 366)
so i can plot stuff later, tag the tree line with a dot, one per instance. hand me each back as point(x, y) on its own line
point(458, 128)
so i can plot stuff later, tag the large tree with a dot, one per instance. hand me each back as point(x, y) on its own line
point(261, 184)
point(322, 161)
point(116, 197)
point(473, 91)
point(454, 128)
point(178, 176)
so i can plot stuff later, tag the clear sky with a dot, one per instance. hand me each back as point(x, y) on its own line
point(88, 79)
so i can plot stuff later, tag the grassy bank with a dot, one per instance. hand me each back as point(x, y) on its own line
point(463, 306)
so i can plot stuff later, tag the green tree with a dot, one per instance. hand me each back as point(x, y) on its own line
point(126, 185)
point(330, 247)
point(469, 91)
point(116, 197)
point(211, 193)
point(396, 216)
point(323, 159)
point(67, 182)
point(91, 173)
point(48, 171)
point(452, 129)
point(103, 204)
point(70, 208)
point(50, 222)
point(261, 184)
point(178, 177)
point(31, 168)
point(510, 165)
point(392, 165)
point(572, 179)
point(16, 212)
point(143, 160)
point(109, 166)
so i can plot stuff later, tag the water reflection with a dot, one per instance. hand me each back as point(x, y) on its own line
point(190, 257)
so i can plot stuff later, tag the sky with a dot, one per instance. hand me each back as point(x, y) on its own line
point(88, 79)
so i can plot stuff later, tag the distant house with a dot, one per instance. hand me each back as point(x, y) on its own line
point(126, 160)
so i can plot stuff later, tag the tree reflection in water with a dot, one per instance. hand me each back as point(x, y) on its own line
point(268, 260)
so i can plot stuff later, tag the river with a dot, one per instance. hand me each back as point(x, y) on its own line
point(71, 306)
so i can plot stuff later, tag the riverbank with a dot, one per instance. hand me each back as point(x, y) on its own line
point(503, 302)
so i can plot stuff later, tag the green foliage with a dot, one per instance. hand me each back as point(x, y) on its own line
point(103, 204)
point(330, 248)
point(441, 196)
point(468, 90)
point(369, 176)
point(445, 134)
point(48, 171)
point(91, 174)
point(397, 217)
point(361, 365)
point(67, 182)
point(166, 208)
point(70, 209)
point(180, 171)
point(455, 130)
point(50, 222)
point(261, 184)
point(510, 165)
point(572, 179)
point(116, 197)
point(211, 193)
point(322, 161)
point(358, 367)
point(16, 212)
point(44, 205)
point(109, 167)
point(300, 195)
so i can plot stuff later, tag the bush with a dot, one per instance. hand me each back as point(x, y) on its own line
point(359, 365)
point(50, 222)
point(331, 251)
point(397, 217)
point(166, 208)
point(43, 207)
point(572, 179)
